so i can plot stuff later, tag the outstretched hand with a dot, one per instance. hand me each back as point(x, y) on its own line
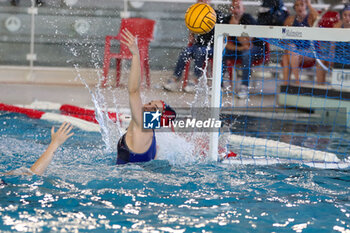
point(57, 139)
point(62, 134)
point(129, 40)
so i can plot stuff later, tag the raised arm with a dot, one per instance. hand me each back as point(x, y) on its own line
point(313, 13)
point(134, 78)
point(289, 20)
point(57, 139)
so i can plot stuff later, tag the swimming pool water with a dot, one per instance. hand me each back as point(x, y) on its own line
point(83, 191)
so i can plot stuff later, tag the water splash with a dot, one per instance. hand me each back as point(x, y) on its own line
point(176, 149)
point(110, 131)
point(194, 146)
point(200, 109)
point(201, 98)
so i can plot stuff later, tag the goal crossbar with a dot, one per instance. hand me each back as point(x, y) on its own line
point(278, 32)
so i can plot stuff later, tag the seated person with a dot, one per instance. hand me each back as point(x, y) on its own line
point(343, 23)
point(57, 139)
point(139, 144)
point(291, 61)
point(200, 46)
point(272, 12)
point(244, 48)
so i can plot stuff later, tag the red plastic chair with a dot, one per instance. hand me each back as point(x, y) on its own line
point(143, 30)
point(329, 19)
point(234, 62)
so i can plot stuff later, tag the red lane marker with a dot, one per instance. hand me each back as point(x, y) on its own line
point(71, 109)
point(31, 113)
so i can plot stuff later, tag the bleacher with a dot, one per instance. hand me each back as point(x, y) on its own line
point(59, 27)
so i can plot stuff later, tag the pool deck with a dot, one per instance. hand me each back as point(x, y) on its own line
point(20, 85)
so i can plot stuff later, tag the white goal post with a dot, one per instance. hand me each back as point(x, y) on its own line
point(222, 31)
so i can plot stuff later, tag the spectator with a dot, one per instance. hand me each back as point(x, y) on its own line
point(343, 23)
point(244, 48)
point(290, 60)
point(272, 12)
point(199, 47)
point(37, 2)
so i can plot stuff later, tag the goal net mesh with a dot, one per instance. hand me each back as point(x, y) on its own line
point(286, 98)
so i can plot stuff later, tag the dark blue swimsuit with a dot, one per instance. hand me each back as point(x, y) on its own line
point(303, 44)
point(303, 23)
point(125, 155)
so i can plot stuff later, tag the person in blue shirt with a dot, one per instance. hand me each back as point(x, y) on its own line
point(245, 48)
point(272, 12)
point(305, 16)
point(199, 47)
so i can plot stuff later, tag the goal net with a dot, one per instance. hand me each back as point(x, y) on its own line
point(284, 94)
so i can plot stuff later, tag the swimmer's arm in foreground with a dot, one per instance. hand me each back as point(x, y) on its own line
point(134, 78)
point(136, 138)
point(57, 139)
